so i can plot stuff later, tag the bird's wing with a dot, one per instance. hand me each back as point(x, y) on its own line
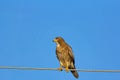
point(71, 54)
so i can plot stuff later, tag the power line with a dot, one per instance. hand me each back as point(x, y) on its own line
point(55, 69)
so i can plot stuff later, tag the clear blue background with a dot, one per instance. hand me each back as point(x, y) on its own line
point(91, 27)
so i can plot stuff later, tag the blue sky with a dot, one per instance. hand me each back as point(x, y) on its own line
point(91, 27)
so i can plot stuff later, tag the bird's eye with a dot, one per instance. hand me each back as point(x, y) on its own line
point(56, 37)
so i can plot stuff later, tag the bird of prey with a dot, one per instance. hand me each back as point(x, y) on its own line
point(65, 56)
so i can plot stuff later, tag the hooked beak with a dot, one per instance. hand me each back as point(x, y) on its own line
point(54, 40)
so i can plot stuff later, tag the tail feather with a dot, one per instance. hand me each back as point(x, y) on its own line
point(75, 74)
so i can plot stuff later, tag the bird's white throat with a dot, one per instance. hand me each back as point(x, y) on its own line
point(58, 44)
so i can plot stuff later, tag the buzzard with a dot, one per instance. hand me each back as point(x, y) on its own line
point(65, 56)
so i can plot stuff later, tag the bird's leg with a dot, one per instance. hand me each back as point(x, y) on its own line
point(60, 68)
point(67, 70)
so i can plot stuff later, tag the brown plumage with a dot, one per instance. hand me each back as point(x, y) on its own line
point(65, 56)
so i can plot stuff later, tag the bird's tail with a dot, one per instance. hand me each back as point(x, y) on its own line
point(75, 73)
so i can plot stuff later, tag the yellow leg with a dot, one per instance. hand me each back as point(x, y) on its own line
point(66, 69)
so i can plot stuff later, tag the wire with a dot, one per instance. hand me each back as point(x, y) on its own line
point(55, 69)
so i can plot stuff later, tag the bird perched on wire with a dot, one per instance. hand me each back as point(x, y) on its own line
point(65, 56)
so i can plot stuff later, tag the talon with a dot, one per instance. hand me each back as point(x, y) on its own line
point(60, 68)
point(67, 70)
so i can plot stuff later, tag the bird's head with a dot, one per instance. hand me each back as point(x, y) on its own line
point(58, 40)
